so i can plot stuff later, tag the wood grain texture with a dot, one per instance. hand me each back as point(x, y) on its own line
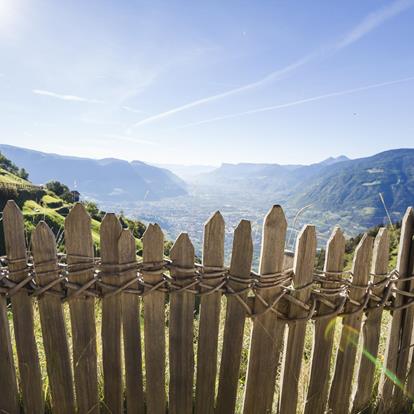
point(131, 327)
point(303, 274)
point(213, 256)
point(400, 400)
point(386, 388)
point(111, 317)
point(154, 323)
point(181, 330)
point(8, 385)
point(341, 389)
point(52, 321)
point(371, 330)
point(79, 249)
point(267, 333)
point(22, 305)
point(240, 266)
point(317, 395)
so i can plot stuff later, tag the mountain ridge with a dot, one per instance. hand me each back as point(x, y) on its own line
point(99, 179)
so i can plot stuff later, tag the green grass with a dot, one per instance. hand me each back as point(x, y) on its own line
point(9, 178)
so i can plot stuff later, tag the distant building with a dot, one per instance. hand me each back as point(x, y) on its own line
point(76, 195)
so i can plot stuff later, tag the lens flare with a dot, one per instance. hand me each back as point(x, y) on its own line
point(351, 338)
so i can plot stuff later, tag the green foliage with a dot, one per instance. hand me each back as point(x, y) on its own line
point(93, 210)
point(23, 174)
point(38, 205)
point(57, 187)
point(9, 166)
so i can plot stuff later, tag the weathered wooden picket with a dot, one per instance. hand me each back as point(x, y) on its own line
point(156, 298)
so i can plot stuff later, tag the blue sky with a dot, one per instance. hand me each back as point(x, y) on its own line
point(207, 82)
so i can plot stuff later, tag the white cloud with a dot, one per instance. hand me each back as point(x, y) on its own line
point(373, 20)
point(298, 102)
point(72, 98)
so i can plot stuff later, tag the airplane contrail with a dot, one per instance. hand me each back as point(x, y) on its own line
point(270, 77)
point(298, 102)
point(365, 26)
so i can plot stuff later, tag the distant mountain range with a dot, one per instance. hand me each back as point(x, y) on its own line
point(340, 190)
point(264, 177)
point(107, 179)
point(357, 183)
point(341, 186)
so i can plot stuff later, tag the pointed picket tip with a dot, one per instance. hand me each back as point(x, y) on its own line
point(381, 252)
point(215, 220)
point(381, 236)
point(13, 217)
point(13, 226)
point(243, 235)
point(148, 231)
point(275, 217)
point(12, 209)
point(382, 243)
point(43, 240)
point(126, 238)
point(153, 244)
point(409, 213)
point(182, 252)
point(364, 250)
point(182, 243)
point(109, 234)
point(110, 221)
point(337, 237)
point(363, 243)
point(244, 226)
point(242, 250)
point(78, 212)
point(126, 246)
point(335, 251)
point(407, 220)
point(152, 231)
point(307, 233)
point(43, 230)
point(303, 262)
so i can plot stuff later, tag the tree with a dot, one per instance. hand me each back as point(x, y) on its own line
point(91, 208)
point(8, 165)
point(57, 187)
point(23, 174)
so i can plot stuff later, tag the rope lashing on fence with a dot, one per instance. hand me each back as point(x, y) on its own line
point(328, 288)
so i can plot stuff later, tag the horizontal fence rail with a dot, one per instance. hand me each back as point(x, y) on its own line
point(157, 334)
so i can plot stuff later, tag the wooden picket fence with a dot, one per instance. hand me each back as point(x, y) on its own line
point(202, 375)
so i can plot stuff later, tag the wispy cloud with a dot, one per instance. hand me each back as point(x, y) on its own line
point(368, 24)
point(134, 110)
point(298, 102)
point(373, 20)
point(63, 97)
point(131, 139)
point(273, 76)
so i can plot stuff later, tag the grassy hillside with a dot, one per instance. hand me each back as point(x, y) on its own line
point(41, 204)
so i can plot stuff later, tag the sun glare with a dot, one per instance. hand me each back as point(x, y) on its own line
point(7, 13)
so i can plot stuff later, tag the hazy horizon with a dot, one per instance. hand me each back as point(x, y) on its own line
point(166, 165)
